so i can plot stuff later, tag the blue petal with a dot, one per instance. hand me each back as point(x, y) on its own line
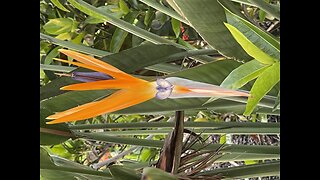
point(90, 76)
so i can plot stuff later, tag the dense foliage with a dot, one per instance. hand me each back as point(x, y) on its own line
point(231, 43)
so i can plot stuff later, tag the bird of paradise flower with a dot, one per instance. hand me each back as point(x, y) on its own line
point(131, 90)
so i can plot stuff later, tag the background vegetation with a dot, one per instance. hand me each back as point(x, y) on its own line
point(231, 43)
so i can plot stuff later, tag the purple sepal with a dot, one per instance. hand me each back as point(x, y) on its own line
point(90, 76)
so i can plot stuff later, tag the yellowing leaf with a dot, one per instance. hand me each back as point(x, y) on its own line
point(249, 47)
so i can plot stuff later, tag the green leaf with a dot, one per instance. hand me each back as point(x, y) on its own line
point(249, 47)
point(124, 7)
point(271, 9)
point(78, 39)
point(207, 18)
point(156, 5)
point(277, 103)
point(57, 68)
point(65, 36)
point(222, 132)
point(175, 27)
point(102, 15)
point(144, 34)
point(152, 173)
point(165, 68)
point(59, 5)
point(120, 35)
point(112, 10)
point(243, 74)
point(147, 154)
point(223, 139)
point(55, 168)
point(58, 26)
point(74, 46)
point(258, 37)
point(248, 171)
point(149, 17)
point(269, 78)
point(55, 134)
point(188, 124)
point(232, 151)
point(119, 172)
point(144, 55)
point(53, 88)
point(53, 53)
point(262, 15)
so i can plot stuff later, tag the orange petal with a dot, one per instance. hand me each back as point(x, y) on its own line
point(98, 69)
point(119, 100)
point(104, 84)
point(70, 111)
point(95, 62)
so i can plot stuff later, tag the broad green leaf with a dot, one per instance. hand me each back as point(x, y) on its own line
point(65, 36)
point(265, 82)
point(151, 173)
point(175, 27)
point(56, 168)
point(243, 74)
point(144, 34)
point(120, 35)
point(261, 39)
point(59, 25)
point(59, 5)
point(248, 171)
point(144, 55)
point(271, 9)
point(249, 47)
point(156, 5)
point(207, 18)
point(112, 10)
point(119, 172)
point(73, 46)
point(165, 68)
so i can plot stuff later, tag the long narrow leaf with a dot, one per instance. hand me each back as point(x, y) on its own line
point(247, 171)
point(261, 39)
point(201, 125)
point(156, 5)
point(73, 46)
point(249, 47)
point(265, 82)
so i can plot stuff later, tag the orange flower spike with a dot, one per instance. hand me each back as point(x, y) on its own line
point(132, 91)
